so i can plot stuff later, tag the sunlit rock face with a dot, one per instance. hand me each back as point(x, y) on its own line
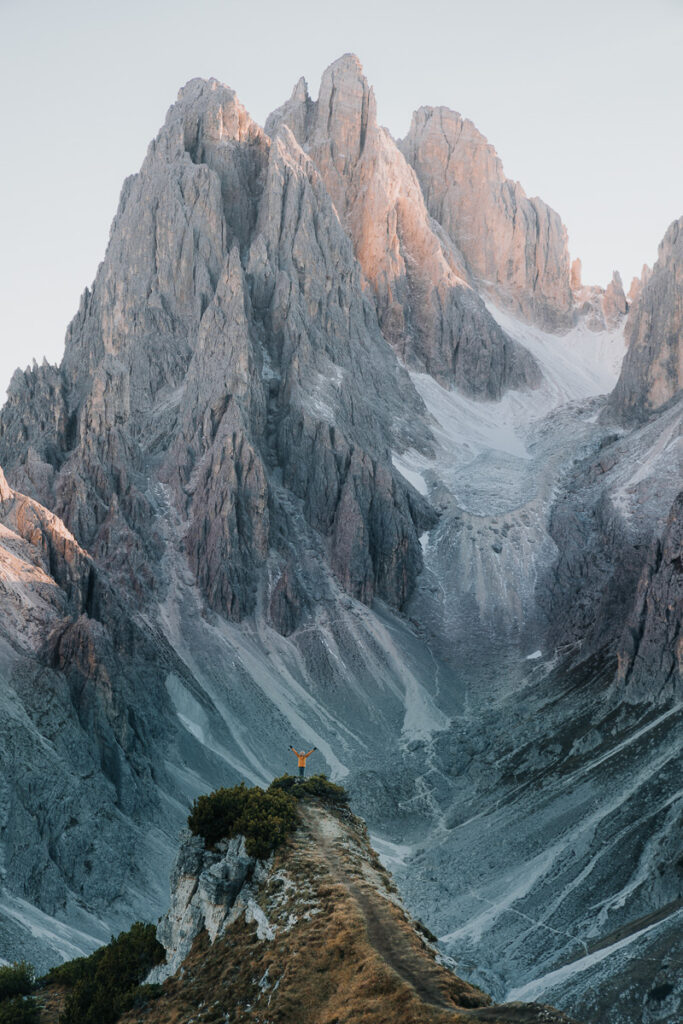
point(652, 373)
point(514, 246)
point(637, 285)
point(427, 307)
point(227, 333)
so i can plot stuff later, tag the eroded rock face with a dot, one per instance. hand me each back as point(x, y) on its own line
point(651, 648)
point(426, 304)
point(600, 309)
point(637, 284)
point(204, 887)
point(73, 736)
point(226, 347)
point(652, 373)
point(515, 247)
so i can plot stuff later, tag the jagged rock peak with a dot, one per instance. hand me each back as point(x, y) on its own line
point(575, 275)
point(638, 283)
point(270, 925)
point(346, 107)
point(614, 303)
point(427, 308)
point(514, 245)
point(652, 373)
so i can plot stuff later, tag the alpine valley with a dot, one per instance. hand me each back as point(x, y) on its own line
point(343, 453)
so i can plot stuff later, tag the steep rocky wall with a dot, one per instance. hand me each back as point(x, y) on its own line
point(514, 246)
point(652, 374)
point(426, 304)
point(651, 647)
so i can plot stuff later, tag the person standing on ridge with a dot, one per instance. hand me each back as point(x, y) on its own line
point(302, 759)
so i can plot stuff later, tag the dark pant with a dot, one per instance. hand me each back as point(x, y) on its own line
point(301, 771)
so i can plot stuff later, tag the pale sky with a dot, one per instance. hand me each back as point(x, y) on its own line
point(581, 98)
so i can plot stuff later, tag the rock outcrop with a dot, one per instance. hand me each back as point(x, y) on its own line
point(427, 307)
point(637, 284)
point(515, 247)
point(652, 374)
point(205, 885)
point(600, 309)
point(317, 929)
point(614, 303)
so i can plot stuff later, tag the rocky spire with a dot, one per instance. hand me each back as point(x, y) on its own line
point(614, 302)
point(515, 246)
point(637, 284)
point(427, 307)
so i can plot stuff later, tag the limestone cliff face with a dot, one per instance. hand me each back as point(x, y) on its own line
point(319, 927)
point(638, 283)
point(426, 304)
point(514, 246)
point(75, 736)
point(652, 374)
point(651, 648)
point(225, 351)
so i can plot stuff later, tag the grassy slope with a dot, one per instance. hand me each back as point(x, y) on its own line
point(344, 949)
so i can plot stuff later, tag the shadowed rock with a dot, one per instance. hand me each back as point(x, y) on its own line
point(652, 373)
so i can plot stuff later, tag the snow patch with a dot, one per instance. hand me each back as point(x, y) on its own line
point(411, 465)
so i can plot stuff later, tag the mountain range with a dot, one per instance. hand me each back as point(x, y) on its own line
point(342, 452)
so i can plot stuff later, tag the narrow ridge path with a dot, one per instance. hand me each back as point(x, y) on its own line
point(387, 938)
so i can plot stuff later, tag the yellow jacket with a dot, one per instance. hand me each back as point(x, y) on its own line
point(302, 757)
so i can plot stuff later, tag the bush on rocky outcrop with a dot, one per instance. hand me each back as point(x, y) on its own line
point(264, 817)
point(316, 785)
point(107, 983)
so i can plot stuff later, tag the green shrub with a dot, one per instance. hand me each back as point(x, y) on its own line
point(104, 984)
point(316, 785)
point(19, 1010)
point(264, 818)
point(141, 996)
point(17, 979)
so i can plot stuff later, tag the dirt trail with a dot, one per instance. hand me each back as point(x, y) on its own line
point(391, 941)
point(394, 939)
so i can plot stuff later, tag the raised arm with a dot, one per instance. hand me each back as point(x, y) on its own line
point(294, 751)
point(310, 751)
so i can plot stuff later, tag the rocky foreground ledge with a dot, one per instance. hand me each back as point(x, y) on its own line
point(317, 931)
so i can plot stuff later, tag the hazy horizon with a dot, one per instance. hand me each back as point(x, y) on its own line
point(582, 106)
